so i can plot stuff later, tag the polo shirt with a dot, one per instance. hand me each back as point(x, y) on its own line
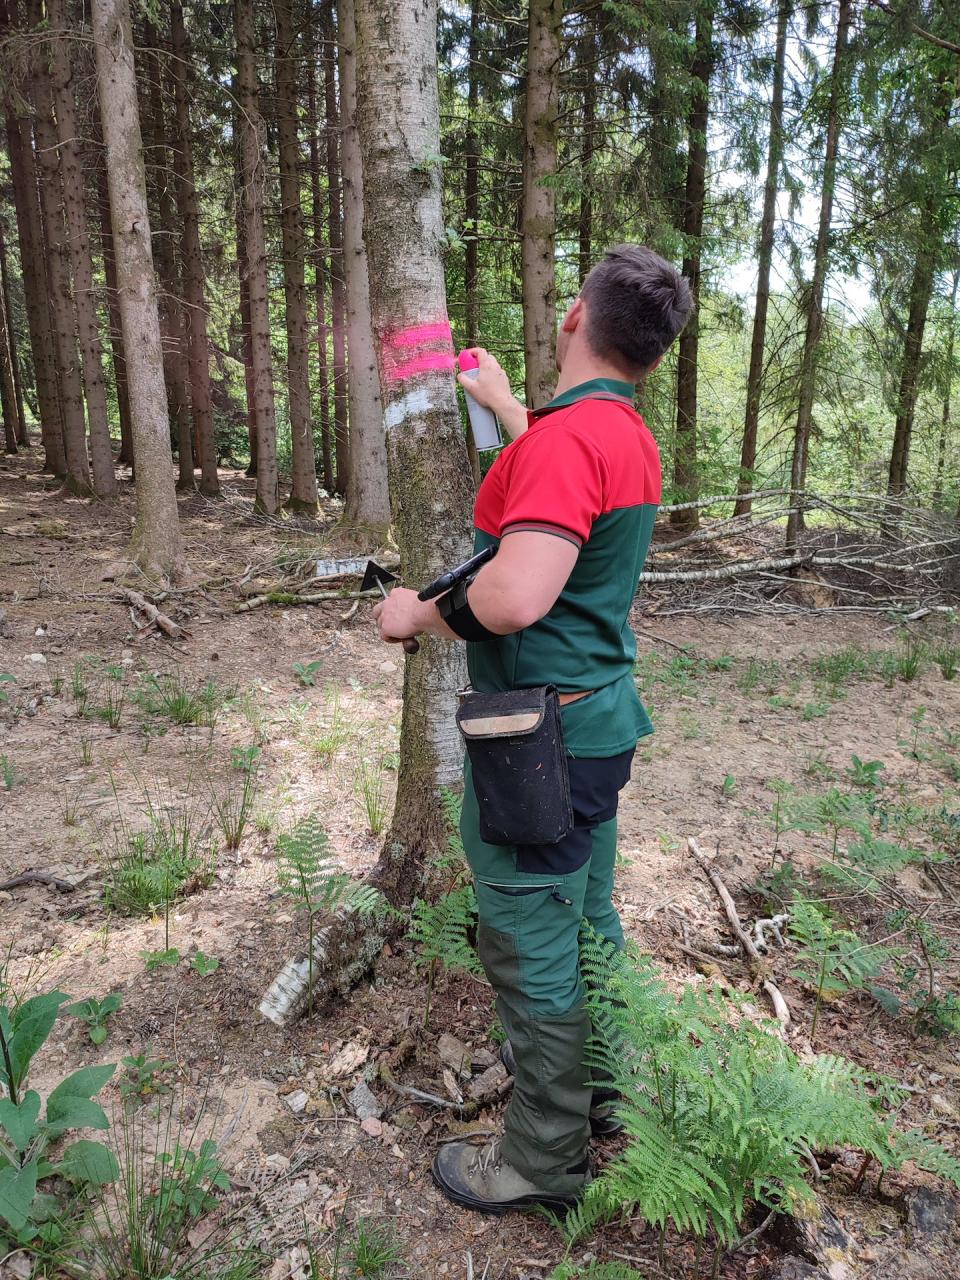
point(586, 469)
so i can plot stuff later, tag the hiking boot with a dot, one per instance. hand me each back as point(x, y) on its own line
point(604, 1122)
point(479, 1178)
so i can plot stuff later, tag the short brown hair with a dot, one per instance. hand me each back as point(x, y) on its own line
point(637, 303)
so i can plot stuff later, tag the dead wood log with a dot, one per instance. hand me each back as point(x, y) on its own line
point(37, 877)
point(152, 613)
point(296, 598)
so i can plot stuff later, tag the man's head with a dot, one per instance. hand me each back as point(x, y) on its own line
point(631, 307)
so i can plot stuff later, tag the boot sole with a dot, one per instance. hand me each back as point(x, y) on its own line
point(560, 1204)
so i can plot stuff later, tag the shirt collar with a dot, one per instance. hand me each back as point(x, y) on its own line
point(596, 388)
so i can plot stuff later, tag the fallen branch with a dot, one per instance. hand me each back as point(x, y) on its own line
point(293, 598)
point(152, 613)
point(780, 1008)
point(37, 877)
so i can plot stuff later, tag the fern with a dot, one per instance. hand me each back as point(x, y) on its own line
point(306, 874)
point(719, 1112)
point(594, 1271)
point(441, 931)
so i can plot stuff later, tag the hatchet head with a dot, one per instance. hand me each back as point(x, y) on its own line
point(376, 576)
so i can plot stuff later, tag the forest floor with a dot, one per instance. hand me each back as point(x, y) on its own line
point(745, 704)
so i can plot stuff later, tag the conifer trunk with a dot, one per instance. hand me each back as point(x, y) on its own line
point(156, 547)
point(194, 285)
point(125, 456)
point(398, 121)
point(947, 389)
point(252, 173)
point(921, 290)
point(685, 467)
point(303, 493)
point(80, 257)
point(748, 452)
point(335, 237)
point(8, 347)
point(368, 497)
point(588, 51)
point(318, 223)
point(814, 323)
point(541, 131)
point(8, 391)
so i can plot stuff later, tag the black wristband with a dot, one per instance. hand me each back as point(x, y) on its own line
point(454, 609)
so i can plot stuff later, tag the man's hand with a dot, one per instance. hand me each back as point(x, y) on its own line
point(490, 387)
point(404, 614)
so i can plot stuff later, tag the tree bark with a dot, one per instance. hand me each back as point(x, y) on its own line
point(157, 547)
point(335, 236)
point(194, 287)
point(125, 456)
point(62, 313)
point(814, 324)
point(319, 273)
point(541, 129)
point(398, 122)
point(172, 328)
point(947, 389)
point(368, 497)
point(303, 494)
point(246, 344)
point(588, 51)
point(253, 175)
point(471, 212)
point(685, 470)
point(748, 452)
point(81, 259)
point(14, 427)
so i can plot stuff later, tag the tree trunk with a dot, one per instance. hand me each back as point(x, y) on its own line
point(194, 292)
point(172, 328)
point(252, 177)
point(685, 473)
point(81, 260)
point(748, 452)
point(471, 212)
point(947, 389)
point(588, 52)
point(814, 325)
point(62, 312)
point(34, 272)
point(335, 235)
point(398, 122)
point(125, 456)
point(368, 497)
point(541, 131)
point(16, 434)
point(303, 493)
point(246, 345)
point(319, 272)
point(8, 392)
point(156, 547)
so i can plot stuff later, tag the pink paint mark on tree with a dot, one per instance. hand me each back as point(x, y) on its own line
point(418, 349)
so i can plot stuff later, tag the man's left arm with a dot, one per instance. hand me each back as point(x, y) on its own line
point(517, 588)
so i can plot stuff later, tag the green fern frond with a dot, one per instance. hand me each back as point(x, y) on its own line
point(305, 872)
point(442, 930)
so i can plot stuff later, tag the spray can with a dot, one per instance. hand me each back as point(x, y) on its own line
point(483, 421)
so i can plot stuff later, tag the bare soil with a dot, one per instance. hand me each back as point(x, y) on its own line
point(76, 788)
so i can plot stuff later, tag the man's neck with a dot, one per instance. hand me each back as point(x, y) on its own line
point(576, 371)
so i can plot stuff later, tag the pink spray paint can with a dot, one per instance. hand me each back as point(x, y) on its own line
point(483, 421)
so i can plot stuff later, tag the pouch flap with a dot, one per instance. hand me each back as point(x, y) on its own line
point(514, 713)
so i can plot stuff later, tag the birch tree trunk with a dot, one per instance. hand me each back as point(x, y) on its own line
point(814, 325)
point(253, 175)
point(194, 291)
point(303, 494)
point(81, 260)
point(685, 473)
point(335, 237)
point(748, 452)
point(157, 547)
point(542, 108)
point(430, 488)
point(368, 497)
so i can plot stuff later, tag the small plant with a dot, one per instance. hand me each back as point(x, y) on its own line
point(56, 685)
point(7, 678)
point(947, 658)
point(374, 1249)
point(28, 1210)
point(150, 869)
point(327, 741)
point(112, 709)
point(170, 697)
point(911, 659)
point(141, 1075)
point(86, 751)
point(369, 781)
point(168, 958)
point(729, 786)
point(233, 808)
point(95, 1013)
point(7, 772)
point(306, 672)
point(814, 711)
point(204, 965)
point(70, 806)
point(761, 674)
point(866, 773)
point(79, 689)
point(888, 668)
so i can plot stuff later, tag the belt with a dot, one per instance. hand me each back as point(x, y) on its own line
point(565, 698)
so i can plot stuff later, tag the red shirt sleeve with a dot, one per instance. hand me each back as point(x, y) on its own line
point(557, 481)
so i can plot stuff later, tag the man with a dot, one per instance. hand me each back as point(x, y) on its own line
point(571, 504)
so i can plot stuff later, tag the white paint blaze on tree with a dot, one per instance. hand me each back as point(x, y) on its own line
point(157, 544)
point(398, 121)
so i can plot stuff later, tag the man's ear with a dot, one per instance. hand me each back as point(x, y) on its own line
point(574, 317)
point(656, 362)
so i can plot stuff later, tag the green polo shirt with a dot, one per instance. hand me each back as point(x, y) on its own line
point(586, 469)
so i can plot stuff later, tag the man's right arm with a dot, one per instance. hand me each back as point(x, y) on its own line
point(491, 388)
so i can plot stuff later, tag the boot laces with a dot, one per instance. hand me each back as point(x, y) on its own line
point(487, 1156)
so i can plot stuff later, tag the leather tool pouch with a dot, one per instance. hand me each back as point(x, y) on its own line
point(519, 765)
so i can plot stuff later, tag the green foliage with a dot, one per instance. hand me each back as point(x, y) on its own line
point(166, 958)
point(141, 1075)
point(94, 1013)
point(149, 869)
point(27, 1207)
point(865, 773)
point(6, 678)
point(170, 696)
point(370, 784)
point(443, 931)
point(306, 672)
point(719, 1111)
point(233, 806)
point(204, 965)
point(7, 772)
point(595, 1271)
point(911, 659)
point(947, 658)
point(374, 1249)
